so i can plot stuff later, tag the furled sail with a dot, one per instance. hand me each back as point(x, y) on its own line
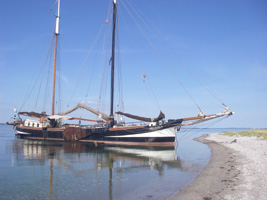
point(33, 114)
point(146, 119)
point(100, 114)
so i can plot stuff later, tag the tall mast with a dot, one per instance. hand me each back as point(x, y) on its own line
point(55, 57)
point(113, 63)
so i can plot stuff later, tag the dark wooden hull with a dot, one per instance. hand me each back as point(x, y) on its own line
point(133, 135)
point(40, 133)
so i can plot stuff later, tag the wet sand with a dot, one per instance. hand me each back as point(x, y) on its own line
point(237, 170)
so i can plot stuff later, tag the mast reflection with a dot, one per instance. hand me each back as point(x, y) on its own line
point(115, 159)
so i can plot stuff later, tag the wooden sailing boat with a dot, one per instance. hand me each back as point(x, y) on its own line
point(152, 131)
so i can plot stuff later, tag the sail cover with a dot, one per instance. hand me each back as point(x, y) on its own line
point(33, 114)
point(146, 119)
point(100, 114)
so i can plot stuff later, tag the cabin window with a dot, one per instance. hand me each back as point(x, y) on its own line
point(37, 125)
point(29, 124)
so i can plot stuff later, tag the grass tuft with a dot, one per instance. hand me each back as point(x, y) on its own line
point(261, 134)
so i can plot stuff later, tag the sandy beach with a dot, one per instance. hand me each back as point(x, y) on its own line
point(237, 170)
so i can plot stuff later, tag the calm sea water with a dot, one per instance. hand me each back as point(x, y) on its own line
point(53, 170)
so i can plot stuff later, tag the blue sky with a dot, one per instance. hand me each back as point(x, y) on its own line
point(223, 43)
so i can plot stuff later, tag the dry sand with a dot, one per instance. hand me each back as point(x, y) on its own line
point(237, 170)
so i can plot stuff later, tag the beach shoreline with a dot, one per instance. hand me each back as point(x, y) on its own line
point(236, 170)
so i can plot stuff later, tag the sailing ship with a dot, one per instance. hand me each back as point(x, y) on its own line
point(151, 131)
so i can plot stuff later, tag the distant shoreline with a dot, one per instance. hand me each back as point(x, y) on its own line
point(236, 170)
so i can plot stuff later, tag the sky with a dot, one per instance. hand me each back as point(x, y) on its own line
point(222, 44)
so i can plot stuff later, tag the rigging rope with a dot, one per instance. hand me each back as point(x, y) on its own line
point(162, 59)
point(140, 61)
point(52, 7)
point(39, 77)
point(120, 103)
point(177, 60)
point(59, 99)
point(47, 89)
point(175, 57)
point(105, 67)
point(185, 136)
point(83, 66)
point(151, 91)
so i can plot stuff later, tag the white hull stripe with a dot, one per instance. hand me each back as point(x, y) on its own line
point(24, 133)
point(169, 132)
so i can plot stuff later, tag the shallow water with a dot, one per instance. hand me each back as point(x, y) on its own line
point(55, 170)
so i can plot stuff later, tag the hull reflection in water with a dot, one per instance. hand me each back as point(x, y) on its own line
point(101, 172)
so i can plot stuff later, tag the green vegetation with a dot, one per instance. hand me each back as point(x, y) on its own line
point(261, 134)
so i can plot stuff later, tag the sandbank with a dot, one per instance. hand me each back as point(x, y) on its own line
point(237, 170)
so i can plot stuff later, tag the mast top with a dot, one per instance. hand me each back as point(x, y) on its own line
point(57, 19)
point(115, 1)
point(58, 7)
